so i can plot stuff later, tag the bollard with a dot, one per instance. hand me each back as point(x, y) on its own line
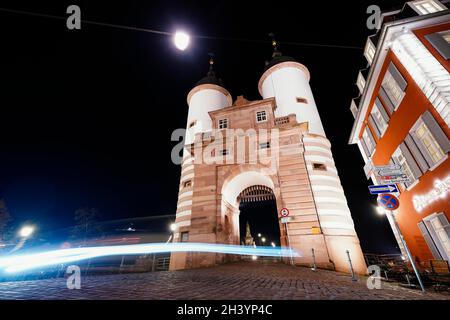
point(385, 275)
point(351, 266)
point(314, 260)
point(407, 280)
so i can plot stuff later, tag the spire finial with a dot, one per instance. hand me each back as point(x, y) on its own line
point(276, 52)
point(211, 64)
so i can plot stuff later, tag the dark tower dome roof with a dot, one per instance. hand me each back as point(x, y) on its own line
point(211, 77)
point(277, 56)
point(276, 60)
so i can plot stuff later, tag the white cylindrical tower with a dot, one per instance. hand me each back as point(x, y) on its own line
point(288, 81)
point(208, 95)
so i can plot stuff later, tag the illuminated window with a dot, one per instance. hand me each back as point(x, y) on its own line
point(369, 141)
point(319, 167)
point(404, 158)
point(393, 88)
point(223, 123)
point(369, 51)
point(441, 42)
point(445, 35)
point(354, 109)
point(380, 117)
point(261, 116)
point(426, 6)
point(422, 133)
point(360, 82)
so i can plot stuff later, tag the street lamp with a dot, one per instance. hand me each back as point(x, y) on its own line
point(380, 210)
point(272, 244)
point(181, 40)
point(173, 228)
point(263, 239)
point(259, 235)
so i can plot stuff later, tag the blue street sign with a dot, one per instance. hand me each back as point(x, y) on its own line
point(383, 188)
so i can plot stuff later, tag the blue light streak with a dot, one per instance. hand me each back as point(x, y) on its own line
point(24, 262)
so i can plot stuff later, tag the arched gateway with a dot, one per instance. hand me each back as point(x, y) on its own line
point(274, 147)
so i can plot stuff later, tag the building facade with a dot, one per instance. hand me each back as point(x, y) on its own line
point(276, 146)
point(402, 117)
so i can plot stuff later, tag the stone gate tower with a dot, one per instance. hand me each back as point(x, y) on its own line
point(284, 133)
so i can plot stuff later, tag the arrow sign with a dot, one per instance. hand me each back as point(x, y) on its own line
point(383, 188)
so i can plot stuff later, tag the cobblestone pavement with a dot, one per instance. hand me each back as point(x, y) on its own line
point(244, 280)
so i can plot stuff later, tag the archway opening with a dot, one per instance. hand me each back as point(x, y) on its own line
point(258, 209)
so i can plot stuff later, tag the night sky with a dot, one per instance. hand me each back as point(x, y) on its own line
point(87, 116)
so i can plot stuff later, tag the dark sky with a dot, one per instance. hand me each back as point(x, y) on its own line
point(87, 116)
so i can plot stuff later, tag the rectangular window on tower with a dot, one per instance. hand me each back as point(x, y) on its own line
point(264, 145)
point(187, 183)
point(261, 116)
point(319, 166)
point(223, 123)
point(184, 236)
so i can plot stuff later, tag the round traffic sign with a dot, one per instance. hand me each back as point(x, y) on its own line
point(388, 201)
point(284, 212)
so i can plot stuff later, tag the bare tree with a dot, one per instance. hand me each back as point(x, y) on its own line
point(86, 224)
point(5, 218)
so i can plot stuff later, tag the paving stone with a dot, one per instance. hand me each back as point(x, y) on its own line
point(243, 280)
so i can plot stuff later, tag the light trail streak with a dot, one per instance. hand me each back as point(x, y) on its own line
point(24, 262)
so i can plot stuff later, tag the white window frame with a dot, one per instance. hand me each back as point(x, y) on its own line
point(370, 143)
point(369, 51)
point(378, 118)
point(441, 42)
point(401, 159)
point(423, 7)
point(261, 116)
point(354, 109)
point(360, 82)
point(223, 123)
point(393, 91)
point(433, 223)
point(435, 155)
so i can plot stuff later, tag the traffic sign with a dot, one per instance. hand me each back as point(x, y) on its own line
point(284, 212)
point(383, 188)
point(388, 201)
point(285, 219)
point(394, 171)
point(394, 179)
